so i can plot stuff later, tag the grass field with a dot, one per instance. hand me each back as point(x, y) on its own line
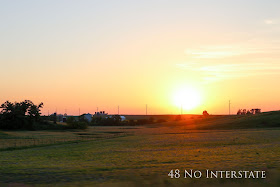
point(144, 155)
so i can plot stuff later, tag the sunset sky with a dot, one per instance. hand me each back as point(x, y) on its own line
point(88, 54)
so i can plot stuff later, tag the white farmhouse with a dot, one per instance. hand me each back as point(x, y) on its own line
point(88, 117)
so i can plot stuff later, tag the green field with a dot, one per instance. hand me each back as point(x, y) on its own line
point(144, 155)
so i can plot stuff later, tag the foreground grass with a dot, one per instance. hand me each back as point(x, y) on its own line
point(146, 158)
point(10, 140)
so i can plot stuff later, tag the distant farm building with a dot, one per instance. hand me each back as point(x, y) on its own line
point(101, 114)
point(88, 117)
point(60, 117)
point(123, 118)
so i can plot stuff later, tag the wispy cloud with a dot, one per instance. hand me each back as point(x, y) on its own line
point(254, 57)
point(218, 72)
point(216, 52)
point(271, 21)
point(240, 67)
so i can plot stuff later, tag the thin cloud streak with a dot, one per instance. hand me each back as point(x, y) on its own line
point(219, 72)
point(271, 21)
point(218, 52)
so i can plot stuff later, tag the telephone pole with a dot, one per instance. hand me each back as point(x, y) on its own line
point(118, 110)
point(146, 109)
point(229, 107)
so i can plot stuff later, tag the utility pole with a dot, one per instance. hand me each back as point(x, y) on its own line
point(146, 109)
point(229, 107)
point(79, 111)
point(118, 110)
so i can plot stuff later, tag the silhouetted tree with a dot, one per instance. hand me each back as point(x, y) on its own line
point(19, 115)
point(248, 112)
point(53, 118)
point(117, 119)
point(205, 113)
point(239, 112)
point(72, 123)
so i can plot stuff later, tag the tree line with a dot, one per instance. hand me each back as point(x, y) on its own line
point(20, 115)
point(26, 115)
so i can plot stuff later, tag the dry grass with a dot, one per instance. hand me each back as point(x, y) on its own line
point(22, 139)
point(145, 157)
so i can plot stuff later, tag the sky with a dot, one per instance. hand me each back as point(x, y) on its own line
point(79, 55)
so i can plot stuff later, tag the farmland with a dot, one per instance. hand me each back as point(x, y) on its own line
point(144, 155)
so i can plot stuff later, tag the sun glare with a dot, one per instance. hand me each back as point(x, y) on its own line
point(187, 98)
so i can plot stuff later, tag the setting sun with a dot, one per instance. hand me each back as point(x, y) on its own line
point(187, 98)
